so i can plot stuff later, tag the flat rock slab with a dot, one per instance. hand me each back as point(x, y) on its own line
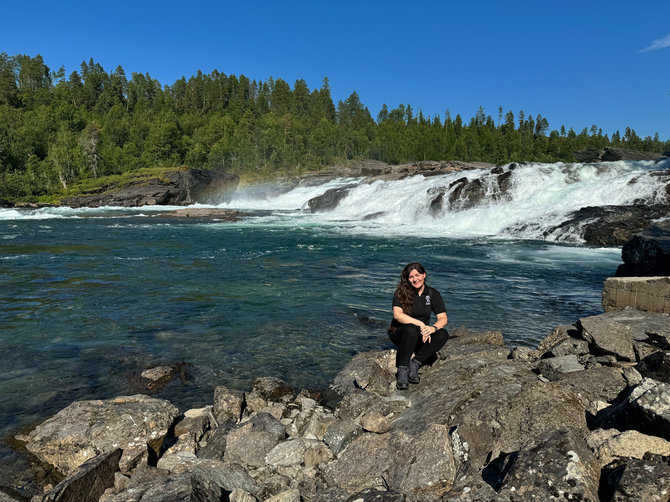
point(204, 214)
point(88, 428)
point(608, 337)
point(554, 367)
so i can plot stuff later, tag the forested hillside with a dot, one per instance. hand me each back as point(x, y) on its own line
point(57, 129)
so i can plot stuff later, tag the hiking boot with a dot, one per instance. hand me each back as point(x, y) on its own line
point(413, 376)
point(401, 382)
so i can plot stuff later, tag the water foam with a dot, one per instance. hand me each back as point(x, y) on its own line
point(537, 198)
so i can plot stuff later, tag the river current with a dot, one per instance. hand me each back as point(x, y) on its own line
point(91, 296)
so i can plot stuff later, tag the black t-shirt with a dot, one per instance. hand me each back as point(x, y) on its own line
point(429, 301)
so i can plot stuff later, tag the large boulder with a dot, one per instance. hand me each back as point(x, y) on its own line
point(494, 403)
point(648, 252)
point(137, 424)
point(557, 465)
point(421, 464)
point(174, 188)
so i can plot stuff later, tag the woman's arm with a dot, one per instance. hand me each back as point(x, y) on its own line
point(403, 318)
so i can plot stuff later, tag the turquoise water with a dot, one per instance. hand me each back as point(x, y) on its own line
point(89, 297)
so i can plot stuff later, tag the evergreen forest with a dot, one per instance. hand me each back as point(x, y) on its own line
point(57, 130)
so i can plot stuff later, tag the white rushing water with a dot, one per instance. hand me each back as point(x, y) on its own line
point(521, 202)
point(536, 197)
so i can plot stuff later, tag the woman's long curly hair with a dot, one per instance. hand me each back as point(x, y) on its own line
point(405, 290)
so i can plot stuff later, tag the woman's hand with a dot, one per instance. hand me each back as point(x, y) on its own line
point(426, 332)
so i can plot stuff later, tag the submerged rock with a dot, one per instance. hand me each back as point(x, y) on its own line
point(200, 213)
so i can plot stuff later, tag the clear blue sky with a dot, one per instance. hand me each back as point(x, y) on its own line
point(577, 63)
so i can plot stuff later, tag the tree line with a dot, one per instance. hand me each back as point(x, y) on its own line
point(56, 130)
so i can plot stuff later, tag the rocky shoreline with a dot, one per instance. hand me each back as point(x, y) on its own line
point(584, 416)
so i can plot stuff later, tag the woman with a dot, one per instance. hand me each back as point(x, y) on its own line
point(410, 331)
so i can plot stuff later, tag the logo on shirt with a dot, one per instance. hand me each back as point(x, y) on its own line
point(427, 299)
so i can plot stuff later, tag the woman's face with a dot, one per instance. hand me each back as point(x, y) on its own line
point(416, 279)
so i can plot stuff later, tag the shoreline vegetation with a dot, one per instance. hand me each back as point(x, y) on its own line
point(58, 131)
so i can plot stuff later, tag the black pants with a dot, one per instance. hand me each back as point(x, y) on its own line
point(407, 337)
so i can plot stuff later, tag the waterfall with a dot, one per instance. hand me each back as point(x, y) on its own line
point(519, 201)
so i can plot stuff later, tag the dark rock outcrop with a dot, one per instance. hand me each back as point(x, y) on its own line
point(178, 188)
point(609, 225)
point(648, 252)
point(613, 154)
point(329, 199)
point(6, 204)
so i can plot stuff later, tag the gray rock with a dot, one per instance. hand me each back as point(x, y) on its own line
point(570, 346)
point(495, 403)
point(608, 337)
point(195, 422)
point(650, 401)
point(225, 475)
point(85, 429)
point(595, 386)
point(251, 441)
point(88, 481)
point(370, 371)
point(559, 465)
point(215, 447)
point(292, 495)
point(311, 423)
point(356, 402)
point(340, 433)
point(556, 336)
point(239, 495)
point(271, 389)
point(646, 409)
point(228, 404)
point(523, 354)
point(374, 495)
point(293, 452)
point(645, 479)
point(375, 422)
point(610, 444)
point(422, 465)
point(555, 367)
